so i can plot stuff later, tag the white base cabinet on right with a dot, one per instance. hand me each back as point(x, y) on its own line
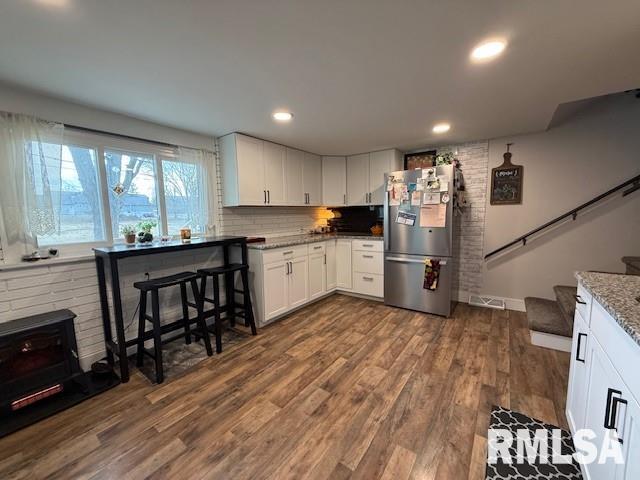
point(604, 388)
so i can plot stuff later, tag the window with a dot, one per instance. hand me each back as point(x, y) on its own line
point(131, 180)
point(73, 176)
point(100, 184)
point(184, 196)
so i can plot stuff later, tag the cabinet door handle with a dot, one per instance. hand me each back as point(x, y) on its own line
point(265, 195)
point(268, 196)
point(611, 410)
point(287, 264)
point(325, 258)
point(344, 198)
point(579, 300)
point(578, 347)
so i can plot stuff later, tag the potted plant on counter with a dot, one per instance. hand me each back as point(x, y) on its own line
point(129, 233)
point(145, 227)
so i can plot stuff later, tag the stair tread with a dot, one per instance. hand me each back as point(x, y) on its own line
point(565, 295)
point(545, 316)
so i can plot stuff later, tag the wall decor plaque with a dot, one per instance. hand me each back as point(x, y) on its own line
point(506, 182)
point(419, 159)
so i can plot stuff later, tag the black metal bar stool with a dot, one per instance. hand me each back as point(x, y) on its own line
point(153, 286)
point(231, 308)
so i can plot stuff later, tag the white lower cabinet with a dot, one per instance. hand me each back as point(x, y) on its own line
point(276, 289)
point(331, 265)
point(344, 272)
point(317, 275)
point(602, 396)
point(578, 373)
point(298, 282)
point(283, 279)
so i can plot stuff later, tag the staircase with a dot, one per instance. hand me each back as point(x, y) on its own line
point(551, 321)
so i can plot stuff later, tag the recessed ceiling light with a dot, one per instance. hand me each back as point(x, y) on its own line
point(282, 116)
point(488, 50)
point(441, 128)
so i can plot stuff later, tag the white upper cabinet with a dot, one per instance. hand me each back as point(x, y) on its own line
point(334, 181)
point(242, 170)
point(257, 172)
point(365, 176)
point(312, 178)
point(293, 175)
point(274, 157)
point(380, 163)
point(358, 179)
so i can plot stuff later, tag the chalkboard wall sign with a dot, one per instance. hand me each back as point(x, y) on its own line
point(506, 182)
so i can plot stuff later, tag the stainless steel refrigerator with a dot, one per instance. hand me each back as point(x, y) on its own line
point(407, 246)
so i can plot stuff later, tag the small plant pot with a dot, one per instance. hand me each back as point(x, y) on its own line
point(130, 239)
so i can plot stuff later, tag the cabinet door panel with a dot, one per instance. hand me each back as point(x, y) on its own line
point(293, 174)
point(343, 265)
point(334, 181)
point(299, 282)
point(312, 178)
point(331, 265)
point(577, 391)
point(631, 441)
point(358, 179)
point(274, 164)
point(379, 164)
point(250, 170)
point(602, 377)
point(317, 276)
point(276, 289)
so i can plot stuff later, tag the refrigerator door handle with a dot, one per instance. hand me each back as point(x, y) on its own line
point(410, 260)
point(385, 227)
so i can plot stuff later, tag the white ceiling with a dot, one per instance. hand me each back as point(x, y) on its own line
point(359, 75)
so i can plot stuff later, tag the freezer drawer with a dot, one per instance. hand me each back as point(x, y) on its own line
point(403, 281)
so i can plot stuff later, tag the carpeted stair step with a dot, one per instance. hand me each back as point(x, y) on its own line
point(566, 297)
point(545, 316)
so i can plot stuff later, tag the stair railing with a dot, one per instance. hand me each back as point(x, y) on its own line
point(633, 182)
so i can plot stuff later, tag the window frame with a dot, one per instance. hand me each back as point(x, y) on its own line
point(101, 143)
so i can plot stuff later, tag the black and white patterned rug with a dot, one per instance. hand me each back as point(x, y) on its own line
point(503, 419)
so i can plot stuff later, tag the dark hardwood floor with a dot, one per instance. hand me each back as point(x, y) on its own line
point(345, 388)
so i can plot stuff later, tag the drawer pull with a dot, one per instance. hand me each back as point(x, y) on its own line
point(578, 347)
point(368, 279)
point(288, 253)
point(579, 300)
point(367, 256)
point(611, 410)
point(367, 245)
point(316, 248)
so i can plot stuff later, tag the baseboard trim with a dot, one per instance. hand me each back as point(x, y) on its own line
point(548, 340)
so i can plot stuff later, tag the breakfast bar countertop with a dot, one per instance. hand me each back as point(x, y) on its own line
point(290, 240)
point(619, 295)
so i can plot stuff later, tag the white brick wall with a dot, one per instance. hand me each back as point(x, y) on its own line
point(469, 234)
point(43, 288)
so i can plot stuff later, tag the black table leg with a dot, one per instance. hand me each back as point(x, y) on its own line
point(119, 321)
point(104, 306)
point(229, 289)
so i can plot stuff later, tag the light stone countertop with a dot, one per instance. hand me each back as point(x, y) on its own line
point(619, 295)
point(288, 241)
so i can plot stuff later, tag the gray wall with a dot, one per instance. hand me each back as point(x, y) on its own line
point(564, 167)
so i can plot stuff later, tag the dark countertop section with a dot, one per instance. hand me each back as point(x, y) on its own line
point(619, 295)
point(124, 250)
point(291, 240)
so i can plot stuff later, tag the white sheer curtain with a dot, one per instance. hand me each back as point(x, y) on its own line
point(30, 179)
point(206, 161)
